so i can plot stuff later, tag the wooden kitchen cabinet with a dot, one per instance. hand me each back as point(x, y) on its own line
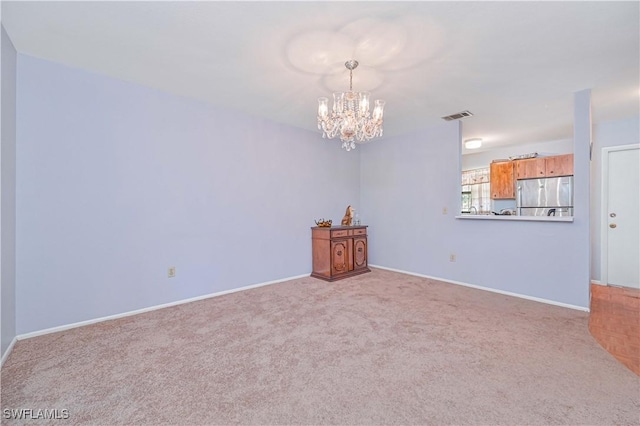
point(530, 168)
point(557, 165)
point(502, 180)
point(339, 252)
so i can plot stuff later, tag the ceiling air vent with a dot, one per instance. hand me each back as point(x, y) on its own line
point(457, 116)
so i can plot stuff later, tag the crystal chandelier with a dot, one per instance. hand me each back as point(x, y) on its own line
point(350, 116)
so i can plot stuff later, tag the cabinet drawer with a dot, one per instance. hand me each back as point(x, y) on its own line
point(342, 233)
point(362, 231)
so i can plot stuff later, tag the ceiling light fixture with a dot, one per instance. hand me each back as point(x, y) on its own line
point(349, 116)
point(473, 143)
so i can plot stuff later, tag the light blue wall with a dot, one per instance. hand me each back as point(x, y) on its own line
point(607, 134)
point(117, 182)
point(8, 195)
point(407, 181)
point(578, 245)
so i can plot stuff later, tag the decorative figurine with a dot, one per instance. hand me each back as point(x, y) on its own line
point(347, 220)
point(323, 223)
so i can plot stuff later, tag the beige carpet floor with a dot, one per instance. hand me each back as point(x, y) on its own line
point(379, 348)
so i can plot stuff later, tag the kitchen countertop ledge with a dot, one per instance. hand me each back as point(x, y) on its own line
point(516, 218)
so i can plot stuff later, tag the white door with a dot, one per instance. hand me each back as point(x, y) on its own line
point(621, 202)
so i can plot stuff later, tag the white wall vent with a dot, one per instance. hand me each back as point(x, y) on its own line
point(457, 116)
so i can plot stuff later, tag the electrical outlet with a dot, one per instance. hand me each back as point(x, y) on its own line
point(452, 257)
point(172, 272)
point(444, 210)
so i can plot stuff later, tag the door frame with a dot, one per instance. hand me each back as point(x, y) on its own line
point(604, 204)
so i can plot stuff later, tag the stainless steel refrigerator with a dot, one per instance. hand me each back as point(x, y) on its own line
point(545, 197)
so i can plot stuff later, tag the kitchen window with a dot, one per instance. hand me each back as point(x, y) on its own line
point(476, 191)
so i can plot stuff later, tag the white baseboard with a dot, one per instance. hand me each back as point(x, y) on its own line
point(493, 290)
point(597, 282)
point(249, 287)
point(6, 353)
point(150, 308)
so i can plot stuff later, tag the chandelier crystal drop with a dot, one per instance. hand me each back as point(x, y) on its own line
point(350, 117)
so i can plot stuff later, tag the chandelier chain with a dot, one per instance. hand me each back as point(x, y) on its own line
point(351, 80)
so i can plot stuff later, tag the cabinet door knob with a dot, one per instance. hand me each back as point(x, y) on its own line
point(613, 225)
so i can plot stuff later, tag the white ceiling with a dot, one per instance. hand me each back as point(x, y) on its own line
point(514, 65)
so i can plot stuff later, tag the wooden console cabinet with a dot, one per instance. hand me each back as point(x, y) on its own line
point(339, 252)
